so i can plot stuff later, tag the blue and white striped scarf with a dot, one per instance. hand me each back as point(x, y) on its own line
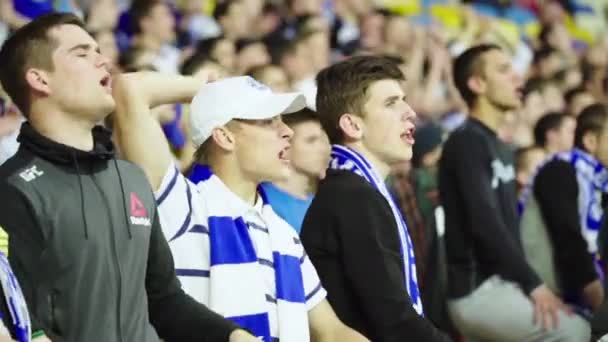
point(592, 179)
point(15, 301)
point(344, 158)
point(235, 287)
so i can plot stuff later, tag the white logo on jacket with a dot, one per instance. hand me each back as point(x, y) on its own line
point(140, 221)
point(501, 173)
point(30, 174)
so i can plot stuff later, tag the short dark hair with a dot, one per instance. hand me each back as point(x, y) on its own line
point(128, 60)
point(544, 34)
point(549, 122)
point(470, 63)
point(342, 88)
point(573, 93)
point(592, 119)
point(257, 71)
point(139, 10)
point(30, 47)
point(304, 115)
point(222, 8)
point(243, 43)
point(207, 45)
point(281, 48)
point(194, 63)
point(534, 84)
point(542, 54)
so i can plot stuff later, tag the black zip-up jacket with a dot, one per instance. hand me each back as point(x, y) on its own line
point(86, 245)
point(477, 189)
point(352, 239)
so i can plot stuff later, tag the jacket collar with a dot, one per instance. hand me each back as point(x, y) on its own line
point(103, 148)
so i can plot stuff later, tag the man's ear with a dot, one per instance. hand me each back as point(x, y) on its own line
point(39, 80)
point(590, 142)
point(223, 138)
point(476, 85)
point(351, 126)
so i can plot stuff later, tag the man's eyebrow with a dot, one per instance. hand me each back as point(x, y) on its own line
point(392, 98)
point(86, 47)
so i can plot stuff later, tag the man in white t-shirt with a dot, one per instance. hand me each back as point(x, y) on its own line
point(237, 128)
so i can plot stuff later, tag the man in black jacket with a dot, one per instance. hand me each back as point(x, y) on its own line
point(84, 236)
point(353, 231)
point(495, 295)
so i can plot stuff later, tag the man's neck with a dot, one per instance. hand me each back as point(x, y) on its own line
point(382, 167)
point(235, 181)
point(488, 114)
point(64, 129)
point(298, 185)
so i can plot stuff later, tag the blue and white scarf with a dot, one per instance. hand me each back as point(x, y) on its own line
point(235, 287)
point(592, 179)
point(15, 301)
point(344, 158)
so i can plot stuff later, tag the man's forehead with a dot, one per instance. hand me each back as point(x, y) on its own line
point(385, 88)
point(495, 57)
point(70, 35)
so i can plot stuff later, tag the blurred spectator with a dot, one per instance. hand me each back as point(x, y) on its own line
point(309, 157)
point(317, 43)
point(562, 214)
point(233, 18)
point(493, 293)
point(555, 36)
point(194, 23)
point(433, 275)
point(202, 64)
point(569, 78)
point(10, 123)
point(154, 30)
point(250, 53)
point(102, 16)
point(547, 63)
point(577, 99)
point(399, 36)
point(136, 58)
point(372, 31)
point(295, 58)
point(527, 161)
point(554, 132)
point(221, 50)
point(272, 76)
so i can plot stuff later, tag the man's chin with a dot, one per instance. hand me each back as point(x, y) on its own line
point(280, 174)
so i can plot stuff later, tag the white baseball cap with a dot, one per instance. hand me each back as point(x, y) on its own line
point(219, 102)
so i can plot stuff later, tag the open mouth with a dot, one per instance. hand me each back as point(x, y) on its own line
point(106, 82)
point(408, 136)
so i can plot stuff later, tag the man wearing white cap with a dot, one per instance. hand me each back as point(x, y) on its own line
point(231, 251)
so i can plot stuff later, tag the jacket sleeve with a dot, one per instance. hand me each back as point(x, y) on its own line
point(468, 158)
point(556, 190)
point(175, 315)
point(26, 244)
point(377, 274)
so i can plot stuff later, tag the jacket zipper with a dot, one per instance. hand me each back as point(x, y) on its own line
point(119, 289)
point(116, 263)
